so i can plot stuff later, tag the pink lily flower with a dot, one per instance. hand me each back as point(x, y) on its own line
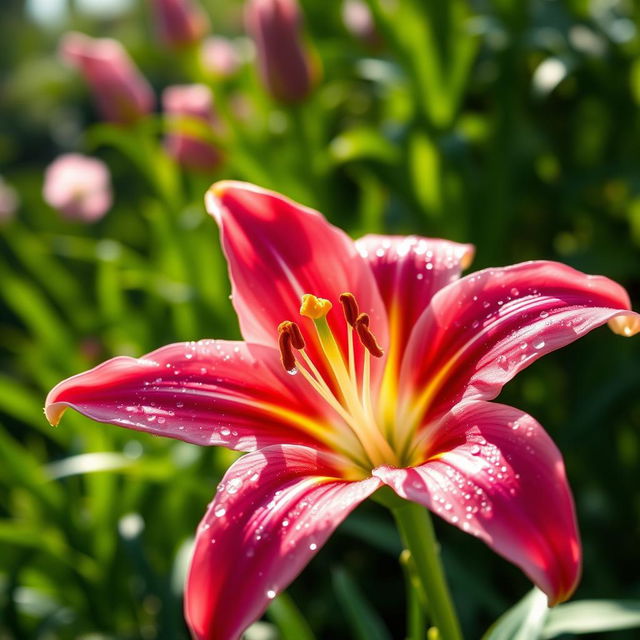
point(327, 417)
point(286, 66)
point(191, 122)
point(122, 94)
point(78, 186)
point(179, 23)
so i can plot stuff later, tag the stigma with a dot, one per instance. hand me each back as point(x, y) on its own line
point(345, 383)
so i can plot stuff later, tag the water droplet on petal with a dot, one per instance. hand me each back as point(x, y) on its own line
point(271, 594)
point(219, 512)
point(313, 546)
point(475, 450)
point(292, 372)
point(539, 344)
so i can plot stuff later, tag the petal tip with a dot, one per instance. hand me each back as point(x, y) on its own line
point(468, 256)
point(53, 412)
point(626, 324)
point(220, 191)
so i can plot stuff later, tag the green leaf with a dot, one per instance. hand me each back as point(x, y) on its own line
point(524, 621)
point(290, 622)
point(365, 623)
point(590, 616)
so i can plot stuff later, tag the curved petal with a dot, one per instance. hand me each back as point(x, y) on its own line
point(481, 330)
point(409, 270)
point(273, 511)
point(212, 392)
point(277, 251)
point(494, 472)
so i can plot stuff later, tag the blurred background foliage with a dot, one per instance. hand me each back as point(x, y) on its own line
point(512, 124)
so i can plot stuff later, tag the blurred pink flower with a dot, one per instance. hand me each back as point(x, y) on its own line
point(121, 92)
point(285, 63)
point(9, 201)
point(219, 56)
point(179, 23)
point(78, 186)
point(359, 22)
point(191, 121)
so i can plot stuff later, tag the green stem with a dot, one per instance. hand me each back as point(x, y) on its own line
point(416, 530)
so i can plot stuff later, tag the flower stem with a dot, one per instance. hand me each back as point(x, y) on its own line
point(416, 530)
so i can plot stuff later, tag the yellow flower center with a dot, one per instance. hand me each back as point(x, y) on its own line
point(348, 393)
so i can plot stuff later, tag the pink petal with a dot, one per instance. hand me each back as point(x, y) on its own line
point(273, 511)
point(409, 270)
point(480, 331)
point(494, 472)
point(277, 251)
point(212, 392)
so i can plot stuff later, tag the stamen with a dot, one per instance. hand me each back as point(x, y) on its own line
point(286, 351)
point(314, 308)
point(297, 340)
point(350, 308)
point(367, 338)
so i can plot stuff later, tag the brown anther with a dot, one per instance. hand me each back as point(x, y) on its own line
point(349, 307)
point(297, 340)
point(363, 318)
point(286, 350)
point(367, 338)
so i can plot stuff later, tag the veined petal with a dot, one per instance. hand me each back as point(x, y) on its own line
point(212, 392)
point(278, 250)
point(494, 472)
point(274, 510)
point(409, 270)
point(481, 330)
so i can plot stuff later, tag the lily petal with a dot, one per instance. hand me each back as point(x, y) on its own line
point(212, 392)
point(277, 251)
point(481, 330)
point(274, 510)
point(494, 472)
point(409, 270)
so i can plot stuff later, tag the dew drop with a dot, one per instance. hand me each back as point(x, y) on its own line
point(313, 546)
point(225, 431)
point(271, 594)
point(514, 292)
point(292, 372)
point(544, 314)
point(219, 512)
point(475, 450)
point(161, 420)
point(539, 344)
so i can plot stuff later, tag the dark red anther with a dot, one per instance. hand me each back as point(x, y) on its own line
point(286, 351)
point(367, 338)
point(350, 308)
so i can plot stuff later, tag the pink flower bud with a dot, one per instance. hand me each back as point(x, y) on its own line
point(191, 123)
point(9, 201)
point(359, 22)
point(220, 57)
point(285, 64)
point(121, 92)
point(78, 186)
point(179, 23)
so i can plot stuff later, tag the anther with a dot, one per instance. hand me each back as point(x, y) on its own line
point(286, 350)
point(314, 308)
point(349, 307)
point(297, 341)
point(367, 338)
